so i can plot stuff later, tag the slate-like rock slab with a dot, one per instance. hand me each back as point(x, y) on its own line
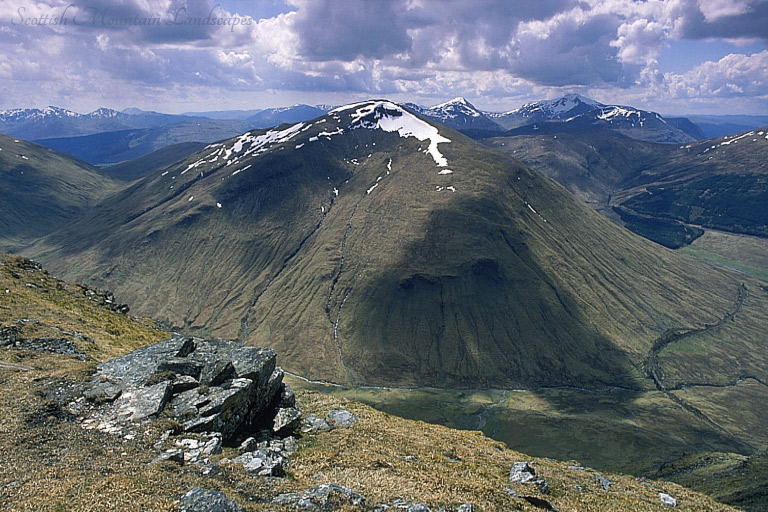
point(205, 500)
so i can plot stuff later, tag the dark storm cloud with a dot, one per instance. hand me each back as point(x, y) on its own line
point(347, 29)
point(752, 23)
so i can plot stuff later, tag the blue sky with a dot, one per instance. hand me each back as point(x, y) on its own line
point(671, 56)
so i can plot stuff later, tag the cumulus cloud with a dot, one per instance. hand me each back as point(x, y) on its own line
point(732, 76)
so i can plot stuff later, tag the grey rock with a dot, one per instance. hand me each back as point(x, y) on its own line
point(321, 497)
point(205, 500)
point(287, 397)
point(262, 462)
point(218, 372)
point(181, 366)
point(133, 369)
point(340, 418)
point(212, 447)
point(523, 473)
point(313, 424)
point(466, 507)
point(287, 421)
point(207, 386)
point(290, 445)
point(142, 403)
point(8, 336)
point(173, 455)
point(103, 392)
point(604, 482)
point(249, 445)
point(186, 347)
point(667, 500)
point(184, 383)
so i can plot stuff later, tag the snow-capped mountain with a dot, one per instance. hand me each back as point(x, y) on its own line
point(18, 115)
point(55, 122)
point(457, 113)
point(579, 114)
point(564, 108)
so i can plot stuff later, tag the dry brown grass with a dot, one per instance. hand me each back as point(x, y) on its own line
point(49, 462)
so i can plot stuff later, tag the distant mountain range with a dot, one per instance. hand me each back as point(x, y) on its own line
point(116, 146)
point(105, 136)
point(55, 122)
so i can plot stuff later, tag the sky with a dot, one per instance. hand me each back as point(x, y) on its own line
point(669, 56)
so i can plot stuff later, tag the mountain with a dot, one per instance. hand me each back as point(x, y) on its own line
point(580, 115)
point(111, 147)
point(664, 192)
point(276, 116)
point(51, 122)
point(567, 107)
point(371, 246)
point(43, 190)
point(458, 114)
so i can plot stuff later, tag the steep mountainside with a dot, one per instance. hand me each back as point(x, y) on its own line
point(371, 246)
point(662, 191)
point(576, 114)
point(43, 190)
point(458, 114)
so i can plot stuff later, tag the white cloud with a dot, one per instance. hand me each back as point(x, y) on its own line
point(732, 76)
point(492, 50)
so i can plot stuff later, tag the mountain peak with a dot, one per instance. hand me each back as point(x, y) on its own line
point(459, 100)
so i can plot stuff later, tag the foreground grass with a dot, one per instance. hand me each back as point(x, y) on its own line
point(50, 463)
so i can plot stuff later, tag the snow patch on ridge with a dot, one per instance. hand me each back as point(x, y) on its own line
point(390, 117)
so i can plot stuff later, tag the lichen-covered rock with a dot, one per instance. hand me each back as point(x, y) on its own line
point(209, 386)
point(205, 500)
point(286, 420)
point(667, 500)
point(321, 497)
point(523, 473)
point(340, 418)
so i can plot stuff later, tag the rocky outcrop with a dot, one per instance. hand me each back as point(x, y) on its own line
point(523, 473)
point(205, 500)
point(207, 386)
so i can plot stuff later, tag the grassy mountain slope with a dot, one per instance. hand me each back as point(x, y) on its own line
point(43, 190)
point(113, 147)
point(140, 167)
point(53, 463)
point(488, 276)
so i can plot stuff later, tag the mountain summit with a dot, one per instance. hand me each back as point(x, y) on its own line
point(370, 245)
point(578, 114)
point(458, 114)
